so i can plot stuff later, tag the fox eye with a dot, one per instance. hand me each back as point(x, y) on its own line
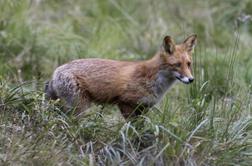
point(178, 64)
point(189, 64)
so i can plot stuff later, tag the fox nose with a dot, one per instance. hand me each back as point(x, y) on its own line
point(191, 80)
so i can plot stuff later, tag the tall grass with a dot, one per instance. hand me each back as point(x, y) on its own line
point(206, 123)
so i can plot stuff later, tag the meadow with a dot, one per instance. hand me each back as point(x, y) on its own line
point(208, 122)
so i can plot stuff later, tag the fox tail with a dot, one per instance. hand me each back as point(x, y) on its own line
point(49, 91)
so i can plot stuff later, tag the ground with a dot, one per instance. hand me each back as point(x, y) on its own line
point(205, 123)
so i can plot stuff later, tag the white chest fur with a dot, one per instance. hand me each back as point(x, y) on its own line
point(160, 85)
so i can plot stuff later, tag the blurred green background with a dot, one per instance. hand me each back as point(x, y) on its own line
point(38, 35)
point(206, 123)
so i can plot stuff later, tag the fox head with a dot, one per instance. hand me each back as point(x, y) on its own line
point(177, 58)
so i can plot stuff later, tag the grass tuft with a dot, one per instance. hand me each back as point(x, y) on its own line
point(206, 123)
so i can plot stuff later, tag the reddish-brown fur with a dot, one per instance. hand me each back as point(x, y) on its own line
point(133, 86)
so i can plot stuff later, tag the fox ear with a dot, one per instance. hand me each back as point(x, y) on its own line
point(168, 44)
point(190, 42)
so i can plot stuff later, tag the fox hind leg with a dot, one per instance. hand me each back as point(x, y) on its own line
point(68, 90)
point(79, 102)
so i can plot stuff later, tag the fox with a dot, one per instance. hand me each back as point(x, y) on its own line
point(134, 86)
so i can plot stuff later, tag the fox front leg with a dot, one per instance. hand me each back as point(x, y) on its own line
point(128, 111)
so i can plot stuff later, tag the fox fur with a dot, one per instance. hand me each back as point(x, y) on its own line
point(131, 85)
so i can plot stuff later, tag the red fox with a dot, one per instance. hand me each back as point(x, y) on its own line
point(127, 84)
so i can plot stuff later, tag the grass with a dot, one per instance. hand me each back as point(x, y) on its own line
point(206, 123)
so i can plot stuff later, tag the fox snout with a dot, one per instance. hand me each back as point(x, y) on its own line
point(184, 79)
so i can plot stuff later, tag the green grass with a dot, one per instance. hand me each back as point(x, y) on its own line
point(206, 123)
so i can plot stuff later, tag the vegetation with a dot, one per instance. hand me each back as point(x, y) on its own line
point(206, 123)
